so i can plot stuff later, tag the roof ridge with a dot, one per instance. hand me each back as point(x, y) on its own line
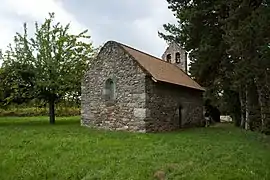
point(126, 47)
point(152, 56)
point(142, 52)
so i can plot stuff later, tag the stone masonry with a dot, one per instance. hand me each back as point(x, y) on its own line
point(140, 104)
point(127, 112)
point(172, 107)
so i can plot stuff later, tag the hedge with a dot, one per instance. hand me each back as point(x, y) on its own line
point(33, 111)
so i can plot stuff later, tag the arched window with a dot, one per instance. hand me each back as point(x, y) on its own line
point(109, 89)
point(169, 58)
point(177, 57)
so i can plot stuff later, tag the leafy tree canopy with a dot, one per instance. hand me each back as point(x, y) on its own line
point(229, 44)
point(48, 65)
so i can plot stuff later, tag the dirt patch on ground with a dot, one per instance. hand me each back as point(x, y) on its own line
point(160, 175)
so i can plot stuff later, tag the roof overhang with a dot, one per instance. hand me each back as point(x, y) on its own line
point(198, 89)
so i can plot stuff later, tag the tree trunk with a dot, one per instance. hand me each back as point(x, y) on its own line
point(262, 109)
point(243, 108)
point(247, 111)
point(51, 112)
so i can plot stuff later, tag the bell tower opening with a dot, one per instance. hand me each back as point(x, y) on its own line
point(169, 58)
point(177, 55)
point(177, 58)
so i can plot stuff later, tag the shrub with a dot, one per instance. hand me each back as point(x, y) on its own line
point(35, 111)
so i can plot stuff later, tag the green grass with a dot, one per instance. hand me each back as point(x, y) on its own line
point(30, 148)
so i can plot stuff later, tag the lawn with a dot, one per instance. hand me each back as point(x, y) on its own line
point(30, 148)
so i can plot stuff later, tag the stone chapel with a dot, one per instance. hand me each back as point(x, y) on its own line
point(127, 89)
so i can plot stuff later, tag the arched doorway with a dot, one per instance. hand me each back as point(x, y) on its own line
point(180, 116)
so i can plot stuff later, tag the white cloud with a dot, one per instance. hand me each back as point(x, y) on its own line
point(13, 13)
point(133, 22)
point(7, 32)
point(146, 28)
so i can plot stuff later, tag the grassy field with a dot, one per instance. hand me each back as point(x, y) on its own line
point(30, 148)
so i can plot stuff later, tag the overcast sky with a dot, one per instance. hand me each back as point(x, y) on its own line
point(132, 22)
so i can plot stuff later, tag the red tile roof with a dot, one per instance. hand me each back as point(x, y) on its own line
point(161, 70)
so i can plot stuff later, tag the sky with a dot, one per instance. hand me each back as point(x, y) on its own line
point(132, 22)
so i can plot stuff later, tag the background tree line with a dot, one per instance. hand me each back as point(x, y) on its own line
point(229, 49)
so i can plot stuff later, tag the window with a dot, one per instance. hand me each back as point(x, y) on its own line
point(109, 90)
point(177, 57)
point(169, 58)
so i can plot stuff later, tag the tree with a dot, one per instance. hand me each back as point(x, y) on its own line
point(248, 38)
point(200, 32)
point(229, 44)
point(50, 65)
point(1, 88)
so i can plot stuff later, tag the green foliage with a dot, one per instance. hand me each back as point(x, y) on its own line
point(31, 149)
point(2, 93)
point(38, 111)
point(48, 66)
point(229, 45)
point(199, 31)
point(13, 88)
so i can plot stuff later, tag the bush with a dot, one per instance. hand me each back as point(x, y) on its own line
point(34, 111)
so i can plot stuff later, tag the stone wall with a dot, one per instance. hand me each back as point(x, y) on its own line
point(138, 104)
point(127, 110)
point(163, 101)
